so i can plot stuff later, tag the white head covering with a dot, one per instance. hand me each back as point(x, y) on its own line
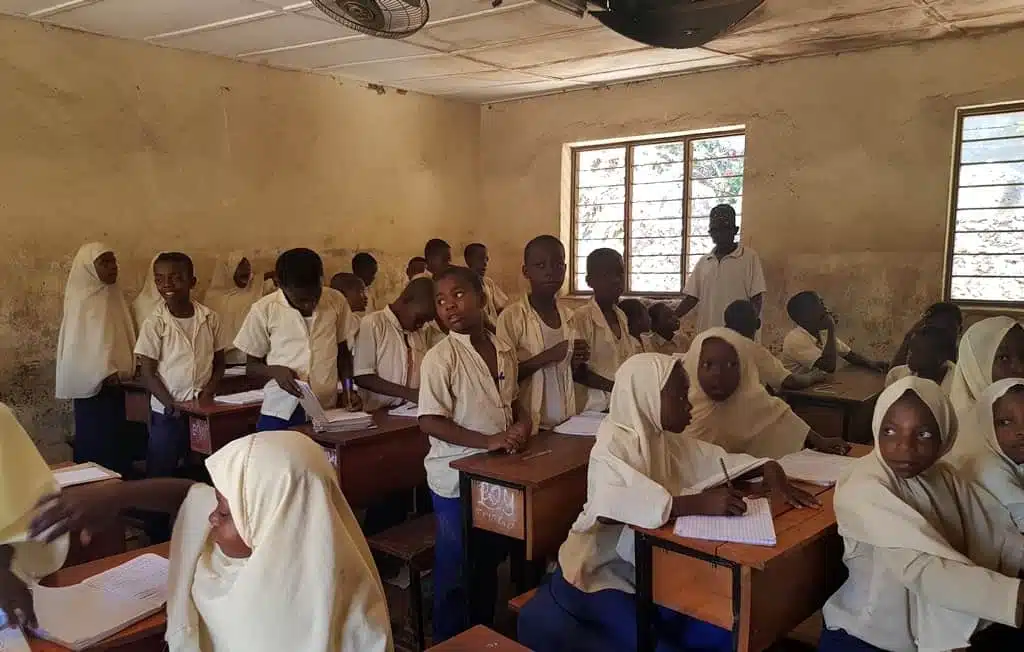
point(974, 365)
point(96, 333)
point(148, 298)
point(24, 479)
point(751, 420)
point(310, 583)
point(229, 301)
point(984, 461)
point(935, 513)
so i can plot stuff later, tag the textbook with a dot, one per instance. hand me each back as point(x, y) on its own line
point(336, 420)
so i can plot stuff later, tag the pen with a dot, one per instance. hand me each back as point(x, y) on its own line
point(538, 454)
point(728, 480)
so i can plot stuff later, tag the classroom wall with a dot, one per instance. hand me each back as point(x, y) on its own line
point(847, 167)
point(153, 149)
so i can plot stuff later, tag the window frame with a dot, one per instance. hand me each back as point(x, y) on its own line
point(630, 144)
point(954, 195)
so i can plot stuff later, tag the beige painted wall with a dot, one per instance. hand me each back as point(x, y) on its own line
point(847, 168)
point(148, 148)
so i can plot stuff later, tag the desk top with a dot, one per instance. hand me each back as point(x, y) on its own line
point(850, 385)
point(152, 626)
point(568, 453)
point(476, 639)
point(386, 424)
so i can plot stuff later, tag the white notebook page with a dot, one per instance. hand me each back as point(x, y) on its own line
point(12, 640)
point(756, 527)
point(815, 467)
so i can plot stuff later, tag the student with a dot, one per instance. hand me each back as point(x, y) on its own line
point(302, 332)
point(731, 407)
point(148, 298)
point(603, 327)
point(665, 337)
point(813, 343)
point(741, 316)
point(641, 473)
point(269, 558)
point(730, 272)
point(24, 479)
point(990, 350)
point(994, 446)
point(539, 330)
point(354, 290)
point(942, 315)
point(94, 354)
point(931, 352)
point(390, 348)
point(476, 258)
point(638, 322)
point(181, 350)
point(365, 266)
point(417, 267)
point(466, 405)
point(233, 289)
point(438, 255)
point(930, 557)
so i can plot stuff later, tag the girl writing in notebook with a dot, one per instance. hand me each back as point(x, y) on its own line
point(641, 473)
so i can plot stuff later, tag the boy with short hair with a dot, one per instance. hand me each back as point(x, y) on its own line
point(539, 330)
point(476, 258)
point(666, 337)
point(741, 316)
point(181, 350)
point(730, 272)
point(930, 353)
point(303, 331)
point(416, 267)
point(354, 290)
point(364, 265)
point(813, 344)
point(638, 321)
point(604, 328)
point(391, 345)
point(438, 255)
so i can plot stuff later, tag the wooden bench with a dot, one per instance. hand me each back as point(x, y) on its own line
point(412, 543)
point(479, 639)
point(516, 604)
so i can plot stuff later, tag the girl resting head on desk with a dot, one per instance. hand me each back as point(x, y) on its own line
point(641, 473)
point(269, 558)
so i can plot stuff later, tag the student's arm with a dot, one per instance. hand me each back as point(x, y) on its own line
point(15, 596)
point(152, 382)
point(687, 304)
point(219, 364)
point(148, 350)
point(377, 385)
point(284, 377)
point(585, 376)
point(546, 358)
point(827, 362)
point(857, 359)
point(345, 366)
point(803, 381)
point(253, 339)
point(902, 353)
point(757, 301)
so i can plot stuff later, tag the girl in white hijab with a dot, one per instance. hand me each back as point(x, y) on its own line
point(990, 350)
point(994, 458)
point(148, 298)
point(930, 556)
point(233, 289)
point(732, 409)
point(94, 353)
point(641, 473)
point(269, 558)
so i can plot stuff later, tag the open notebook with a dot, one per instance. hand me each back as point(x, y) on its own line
point(81, 615)
point(814, 467)
point(756, 527)
point(336, 420)
point(584, 424)
point(410, 410)
point(241, 398)
point(85, 473)
point(12, 640)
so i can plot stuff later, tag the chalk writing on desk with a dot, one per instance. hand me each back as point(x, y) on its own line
point(199, 435)
point(498, 508)
point(332, 456)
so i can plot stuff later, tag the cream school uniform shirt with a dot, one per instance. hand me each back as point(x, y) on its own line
point(384, 349)
point(717, 283)
point(655, 343)
point(495, 299)
point(607, 353)
point(800, 350)
point(183, 349)
point(902, 371)
point(308, 346)
point(456, 384)
point(770, 369)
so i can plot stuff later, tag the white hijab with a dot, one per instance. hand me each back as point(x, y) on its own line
point(974, 365)
point(96, 334)
point(936, 513)
point(148, 298)
point(751, 420)
point(984, 461)
point(310, 583)
point(229, 301)
point(636, 468)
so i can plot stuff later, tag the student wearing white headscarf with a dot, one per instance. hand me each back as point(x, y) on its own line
point(931, 557)
point(732, 409)
point(993, 451)
point(233, 289)
point(990, 350)
point(148, 298)
point(24, 479)
point(269, 558)
point(94, 353)
point(641, 473)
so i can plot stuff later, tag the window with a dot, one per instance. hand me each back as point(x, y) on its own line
point(986, 244)
point(650, 200)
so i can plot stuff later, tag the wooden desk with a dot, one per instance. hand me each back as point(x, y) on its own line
point(144, 636)
point(373, 463)
point(106, 543)
point(479, 639)
point(842, 406)
point(212, 425)
point(136, 396)
point(758, 592)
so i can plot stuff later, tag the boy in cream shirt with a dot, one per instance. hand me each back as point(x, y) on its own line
point(666, 337)
point(813, 344)
point(181, 350)
point(496, 300)
point(303, 331)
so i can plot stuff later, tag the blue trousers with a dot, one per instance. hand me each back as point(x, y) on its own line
point(452, 615)
point(168, 444)
point(267, 423)
point(99, 429)
point(838, 640)
point(562, 618)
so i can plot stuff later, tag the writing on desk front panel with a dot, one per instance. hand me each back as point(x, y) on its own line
point(499, 509)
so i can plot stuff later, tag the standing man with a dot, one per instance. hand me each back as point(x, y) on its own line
point(731, 272)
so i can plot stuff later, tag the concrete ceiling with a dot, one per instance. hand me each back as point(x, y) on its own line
point(477, 53)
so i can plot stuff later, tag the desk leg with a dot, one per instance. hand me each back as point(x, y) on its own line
point(466, 495)
point(643, 561)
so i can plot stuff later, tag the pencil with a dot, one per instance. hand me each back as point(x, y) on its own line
point(539, 454)
point(728, 480)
